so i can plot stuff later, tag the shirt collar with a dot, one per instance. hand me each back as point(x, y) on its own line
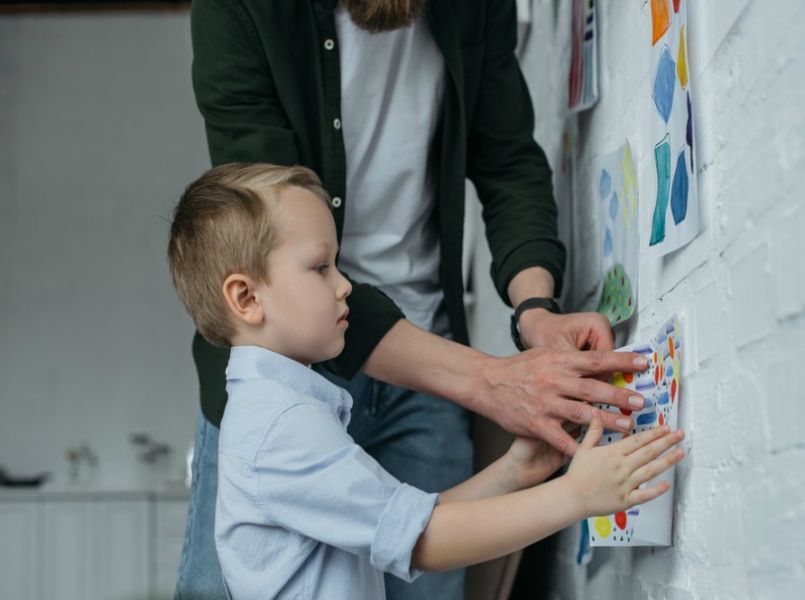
point(255, 362)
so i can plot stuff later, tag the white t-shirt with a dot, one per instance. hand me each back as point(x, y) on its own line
point(392, 85)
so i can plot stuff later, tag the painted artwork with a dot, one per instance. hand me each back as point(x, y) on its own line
point(647, 524)
point(617, 194)
point(675, 213)
point(582, 80)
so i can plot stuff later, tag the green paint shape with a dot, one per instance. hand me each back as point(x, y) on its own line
point(662, 157)
point(617, 303)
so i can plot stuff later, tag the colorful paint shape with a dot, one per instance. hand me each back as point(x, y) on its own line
point(608, 242)
point(602, 526)
point(604, 184)
point(614, 204)
point(660, 19)
point(682, 60)
point(620, 520)
point(617, 302)
point(629, 187)
point(676, 5)
point(662, 159)
point(679, 192)
point(664, 80)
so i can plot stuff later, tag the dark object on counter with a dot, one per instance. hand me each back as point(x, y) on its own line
point(7, 480)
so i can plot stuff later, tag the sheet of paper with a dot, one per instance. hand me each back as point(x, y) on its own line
point(674, 203)
point(616, 189)
point(582, 79)
point(648, 524)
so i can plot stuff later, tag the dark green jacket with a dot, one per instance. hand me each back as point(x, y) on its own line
point(268, 87)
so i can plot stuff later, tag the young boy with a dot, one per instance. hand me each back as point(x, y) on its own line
point(302, 511)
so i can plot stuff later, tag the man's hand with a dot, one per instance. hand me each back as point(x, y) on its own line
point(535, 392)
point(540, 328)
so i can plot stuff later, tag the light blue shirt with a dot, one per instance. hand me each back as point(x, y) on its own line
point(303, 512)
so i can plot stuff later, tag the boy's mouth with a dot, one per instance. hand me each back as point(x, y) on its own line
point(343, 317)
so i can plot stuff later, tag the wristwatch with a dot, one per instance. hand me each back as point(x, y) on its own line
point(547, 303)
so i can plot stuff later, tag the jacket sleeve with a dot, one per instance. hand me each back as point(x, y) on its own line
point(244, 120)
point(509, 170)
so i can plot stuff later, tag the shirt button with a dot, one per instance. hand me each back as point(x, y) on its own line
point(337, 123)
point(329, 44)
point(337, 202)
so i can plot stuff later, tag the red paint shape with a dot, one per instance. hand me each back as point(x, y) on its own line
point(673, 390)
point(671, 345)
point(657, 375)
point(620, 520)
point(628, 377)
point(662, 420)
point(625, 411)
point(676, 5)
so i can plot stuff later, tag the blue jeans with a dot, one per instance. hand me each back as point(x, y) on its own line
point(420, 439)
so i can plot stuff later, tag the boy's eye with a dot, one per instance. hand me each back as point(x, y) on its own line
point(321, 269)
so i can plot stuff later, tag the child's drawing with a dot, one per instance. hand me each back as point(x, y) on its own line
point(648, 524)
point(616, 188)
point(675, 215)
point(582, 80)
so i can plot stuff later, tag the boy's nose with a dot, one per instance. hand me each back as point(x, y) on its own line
point(345, 287)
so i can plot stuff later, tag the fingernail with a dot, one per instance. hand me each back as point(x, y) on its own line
point(641, 361)
point(636, 402)
point(624, 423)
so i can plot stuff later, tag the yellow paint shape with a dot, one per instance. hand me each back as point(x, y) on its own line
point(629, 186)
point(682, 60)
point(602, 526)
point(618, 380)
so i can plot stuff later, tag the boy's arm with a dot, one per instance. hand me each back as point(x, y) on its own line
point(601, 480)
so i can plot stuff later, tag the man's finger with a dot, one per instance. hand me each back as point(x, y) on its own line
point(598, 392)
point(595, 362)
point(559, 439)
point(582, 413)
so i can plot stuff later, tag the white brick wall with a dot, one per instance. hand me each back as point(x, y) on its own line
point(739, 289)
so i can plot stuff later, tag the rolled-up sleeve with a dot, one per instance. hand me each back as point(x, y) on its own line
point(314, 479)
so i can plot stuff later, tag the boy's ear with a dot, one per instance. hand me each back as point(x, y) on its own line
point(240, 292)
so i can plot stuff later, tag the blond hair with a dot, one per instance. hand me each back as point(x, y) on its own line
point(222, 225)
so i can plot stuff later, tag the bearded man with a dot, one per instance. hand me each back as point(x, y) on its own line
point(394, 103)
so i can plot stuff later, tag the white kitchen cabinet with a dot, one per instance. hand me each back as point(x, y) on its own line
point(93, 546)
point(19, 550)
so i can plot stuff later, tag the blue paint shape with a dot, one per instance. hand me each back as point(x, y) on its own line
point(664, 81)
point(669, 372)
point(613, 206)
point(644, 349)
point(689, 133)
point(604, 184)
point(649, 385)
point(679, 190)
point(634, 511)
point(608, 243)
point(647, 418)
point(663, 398)
point(662, 158)
point(647, 404)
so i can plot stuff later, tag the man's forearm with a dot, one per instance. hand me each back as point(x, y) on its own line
point(416, 359)
point(466, 533)
point(530, 283)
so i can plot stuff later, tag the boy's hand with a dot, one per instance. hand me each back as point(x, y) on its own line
point(533, 460)
point(607, 478)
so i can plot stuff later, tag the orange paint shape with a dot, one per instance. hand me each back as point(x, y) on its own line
point(662, 420)
point(673, 390)
point(682, 60)
point(671, 346)
point(660, 19)
point(628, 377)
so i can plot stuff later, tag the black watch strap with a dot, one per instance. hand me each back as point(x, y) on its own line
point(546, 303)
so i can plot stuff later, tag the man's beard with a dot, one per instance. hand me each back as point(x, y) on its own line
point(376, 16)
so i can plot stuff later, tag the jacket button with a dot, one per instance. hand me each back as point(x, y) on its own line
point(337, 202)
point(329, 44)
point(337, 123)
